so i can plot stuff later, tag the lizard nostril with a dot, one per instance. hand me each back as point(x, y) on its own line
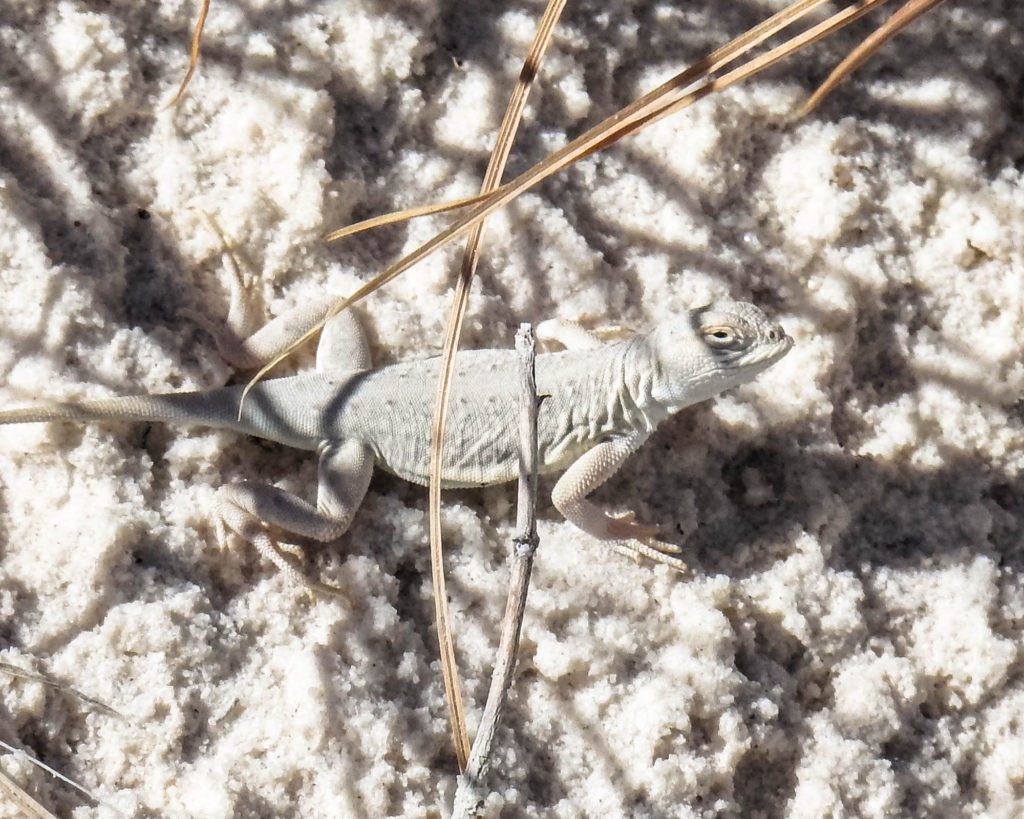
point(773, 335)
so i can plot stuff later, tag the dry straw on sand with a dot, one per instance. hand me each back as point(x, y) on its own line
point(850, 636)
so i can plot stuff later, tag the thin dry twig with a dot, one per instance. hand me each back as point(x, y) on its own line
point(900, 19)
point(470, 795)
point(453, 331)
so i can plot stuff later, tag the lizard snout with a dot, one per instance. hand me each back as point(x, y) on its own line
point(776, 335)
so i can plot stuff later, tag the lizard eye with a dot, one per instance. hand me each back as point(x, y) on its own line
point(724, 337)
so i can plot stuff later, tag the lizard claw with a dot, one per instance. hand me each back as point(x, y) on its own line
point(289, 558)
point(292, 549)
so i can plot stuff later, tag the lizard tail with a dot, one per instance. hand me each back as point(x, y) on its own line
point(171, 407)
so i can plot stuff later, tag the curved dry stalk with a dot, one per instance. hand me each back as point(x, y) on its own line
point(193, 55)
point(900, 19)
point(453, 331)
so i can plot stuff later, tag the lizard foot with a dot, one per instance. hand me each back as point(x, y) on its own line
point(625, 527)
point(290, 564)
point(249, 529)
point(640, 541)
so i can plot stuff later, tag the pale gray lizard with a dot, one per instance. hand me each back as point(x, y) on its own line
point(603, 401)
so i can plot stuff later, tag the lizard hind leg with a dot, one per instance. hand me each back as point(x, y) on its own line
point(572, 335)
point(232, 333)
point(247, 508)
point(245, 341)
point(343, 344)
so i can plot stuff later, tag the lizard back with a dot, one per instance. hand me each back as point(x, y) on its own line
point(390, 409)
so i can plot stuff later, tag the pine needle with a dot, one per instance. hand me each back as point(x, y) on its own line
point(903, 17)
point(20, 673)
point(193, 55)
point(13, 791)
point(402, 216)
point(39, 810)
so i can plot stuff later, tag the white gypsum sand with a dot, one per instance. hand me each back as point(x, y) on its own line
point(851, 638)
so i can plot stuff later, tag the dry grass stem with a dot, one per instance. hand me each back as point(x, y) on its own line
point(26, 802)
point(402, 216)
point(20, 673)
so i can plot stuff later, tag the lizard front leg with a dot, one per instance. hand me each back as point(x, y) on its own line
point(247, 509)
point(587, 473)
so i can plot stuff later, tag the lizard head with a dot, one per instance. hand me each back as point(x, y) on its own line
point(712, 348)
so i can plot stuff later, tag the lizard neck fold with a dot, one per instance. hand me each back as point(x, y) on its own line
point(638, 371)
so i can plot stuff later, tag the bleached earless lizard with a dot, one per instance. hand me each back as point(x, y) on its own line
point(602, 402)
